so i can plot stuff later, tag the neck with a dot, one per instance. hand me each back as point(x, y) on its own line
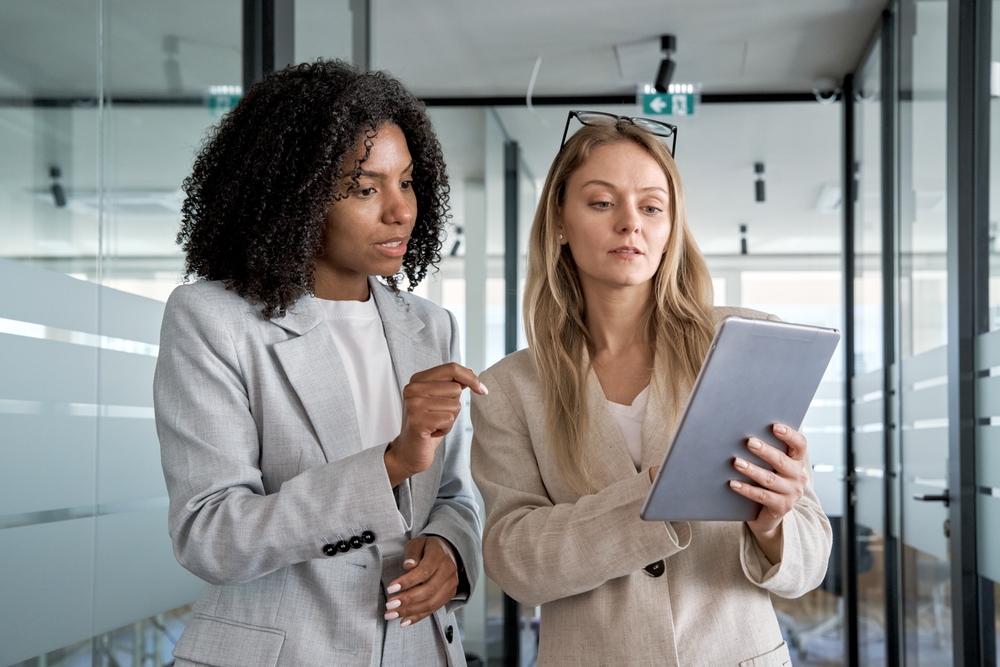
point(334, 289)
point(614, 315)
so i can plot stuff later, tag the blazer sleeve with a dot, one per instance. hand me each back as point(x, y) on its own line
point(806, 539)
point(538, 550)
point(224, 528)
point(455, 514)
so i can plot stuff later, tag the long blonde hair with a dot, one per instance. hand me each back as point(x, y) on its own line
point(677, 321)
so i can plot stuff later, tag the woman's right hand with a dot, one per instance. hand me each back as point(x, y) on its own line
point(431, 403)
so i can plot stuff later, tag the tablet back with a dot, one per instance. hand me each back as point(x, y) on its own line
point(757, 373)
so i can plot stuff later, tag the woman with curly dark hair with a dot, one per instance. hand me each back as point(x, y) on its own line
point(306, 410)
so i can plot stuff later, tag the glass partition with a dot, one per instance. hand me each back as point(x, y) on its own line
point(867, 386)
point(102, 107)
point(988, 389)
point(923, 372)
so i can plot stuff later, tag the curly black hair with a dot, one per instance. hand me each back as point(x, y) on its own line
point(254, 214)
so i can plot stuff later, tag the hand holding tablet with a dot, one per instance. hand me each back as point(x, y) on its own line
point(758, 374)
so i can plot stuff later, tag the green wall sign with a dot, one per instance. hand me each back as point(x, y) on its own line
point(668, 104)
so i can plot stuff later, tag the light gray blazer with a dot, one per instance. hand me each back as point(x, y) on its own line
point(264, 467)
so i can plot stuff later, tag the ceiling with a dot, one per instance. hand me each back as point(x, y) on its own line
point(442, 47)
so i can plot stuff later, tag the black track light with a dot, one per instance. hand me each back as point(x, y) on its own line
point(664, 75)
point(743, 239)
point(57, 190)
point(758, 170)
point(668, 44)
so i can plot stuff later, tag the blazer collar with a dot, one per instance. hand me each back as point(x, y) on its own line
point(608, 451)
point(316, 371)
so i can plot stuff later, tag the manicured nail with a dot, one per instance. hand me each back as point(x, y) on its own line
point(409, 561)
point(391, 615)
point(392, 604)
point(740, 463)
point(779, 429)
point(734, 484)
point(393, 589)
point(753, 444)
point(405, 623)
point(482, 388)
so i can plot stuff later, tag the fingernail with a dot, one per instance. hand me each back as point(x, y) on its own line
point(754, 444)
point(409, 561)
point(393, 589)
point(779, 429)
point(405, 623)
point(392, 604)
point(734, 484)
point(482, 388)
point(391, 615)
point(740, 463)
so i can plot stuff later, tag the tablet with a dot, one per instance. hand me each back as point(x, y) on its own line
point(756, 373)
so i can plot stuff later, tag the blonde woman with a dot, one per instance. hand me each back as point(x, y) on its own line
point(618, 311)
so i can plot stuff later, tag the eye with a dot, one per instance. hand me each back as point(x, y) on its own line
point(652, 210)
point(601, 204)
point(406, 185)
point(365, 192)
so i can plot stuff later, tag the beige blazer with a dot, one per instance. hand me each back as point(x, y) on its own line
point(583, 558)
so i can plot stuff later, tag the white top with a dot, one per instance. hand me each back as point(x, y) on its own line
point(630, 418)
point(356, 327)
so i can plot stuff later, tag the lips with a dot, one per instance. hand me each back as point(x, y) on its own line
point(394, 247)
point(626, 250)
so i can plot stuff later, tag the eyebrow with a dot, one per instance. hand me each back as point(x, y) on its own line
point(611, 186)
point(377, 174)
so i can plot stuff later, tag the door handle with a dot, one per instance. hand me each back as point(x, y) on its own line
point(942, 497)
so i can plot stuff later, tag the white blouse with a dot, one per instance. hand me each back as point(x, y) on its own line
point(630, 418)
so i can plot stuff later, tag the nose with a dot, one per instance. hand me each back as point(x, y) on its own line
point(400, 207)
point(628, 221)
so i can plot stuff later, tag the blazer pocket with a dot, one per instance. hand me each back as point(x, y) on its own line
point(219, 642)
point(777, 658)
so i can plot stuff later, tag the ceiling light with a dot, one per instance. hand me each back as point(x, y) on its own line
point(758, 170)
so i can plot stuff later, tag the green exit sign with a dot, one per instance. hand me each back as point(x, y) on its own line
point(668, 104)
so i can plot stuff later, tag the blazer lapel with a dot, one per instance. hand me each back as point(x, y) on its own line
point(661, 419)
point(406, 335)
point(608, 451)
point(316, 372)
point(413, 349)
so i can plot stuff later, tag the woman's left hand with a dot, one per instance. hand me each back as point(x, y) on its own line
point(431, 580)
point(776, 490)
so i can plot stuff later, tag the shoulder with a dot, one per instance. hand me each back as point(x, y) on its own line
point(516, 368)
point(720, 312)
point(209, 296)
point(428, 312)
point(205, 304)
point(515, 379)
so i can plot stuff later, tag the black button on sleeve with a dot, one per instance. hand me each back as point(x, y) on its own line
point(343, 547)
point(449, 634)
point(329, 550)
point(368, 537)
point(356, 542)
point(656, 569)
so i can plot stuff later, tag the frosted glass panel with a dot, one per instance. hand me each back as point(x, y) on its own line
point(49, 603)
point(81, 473)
